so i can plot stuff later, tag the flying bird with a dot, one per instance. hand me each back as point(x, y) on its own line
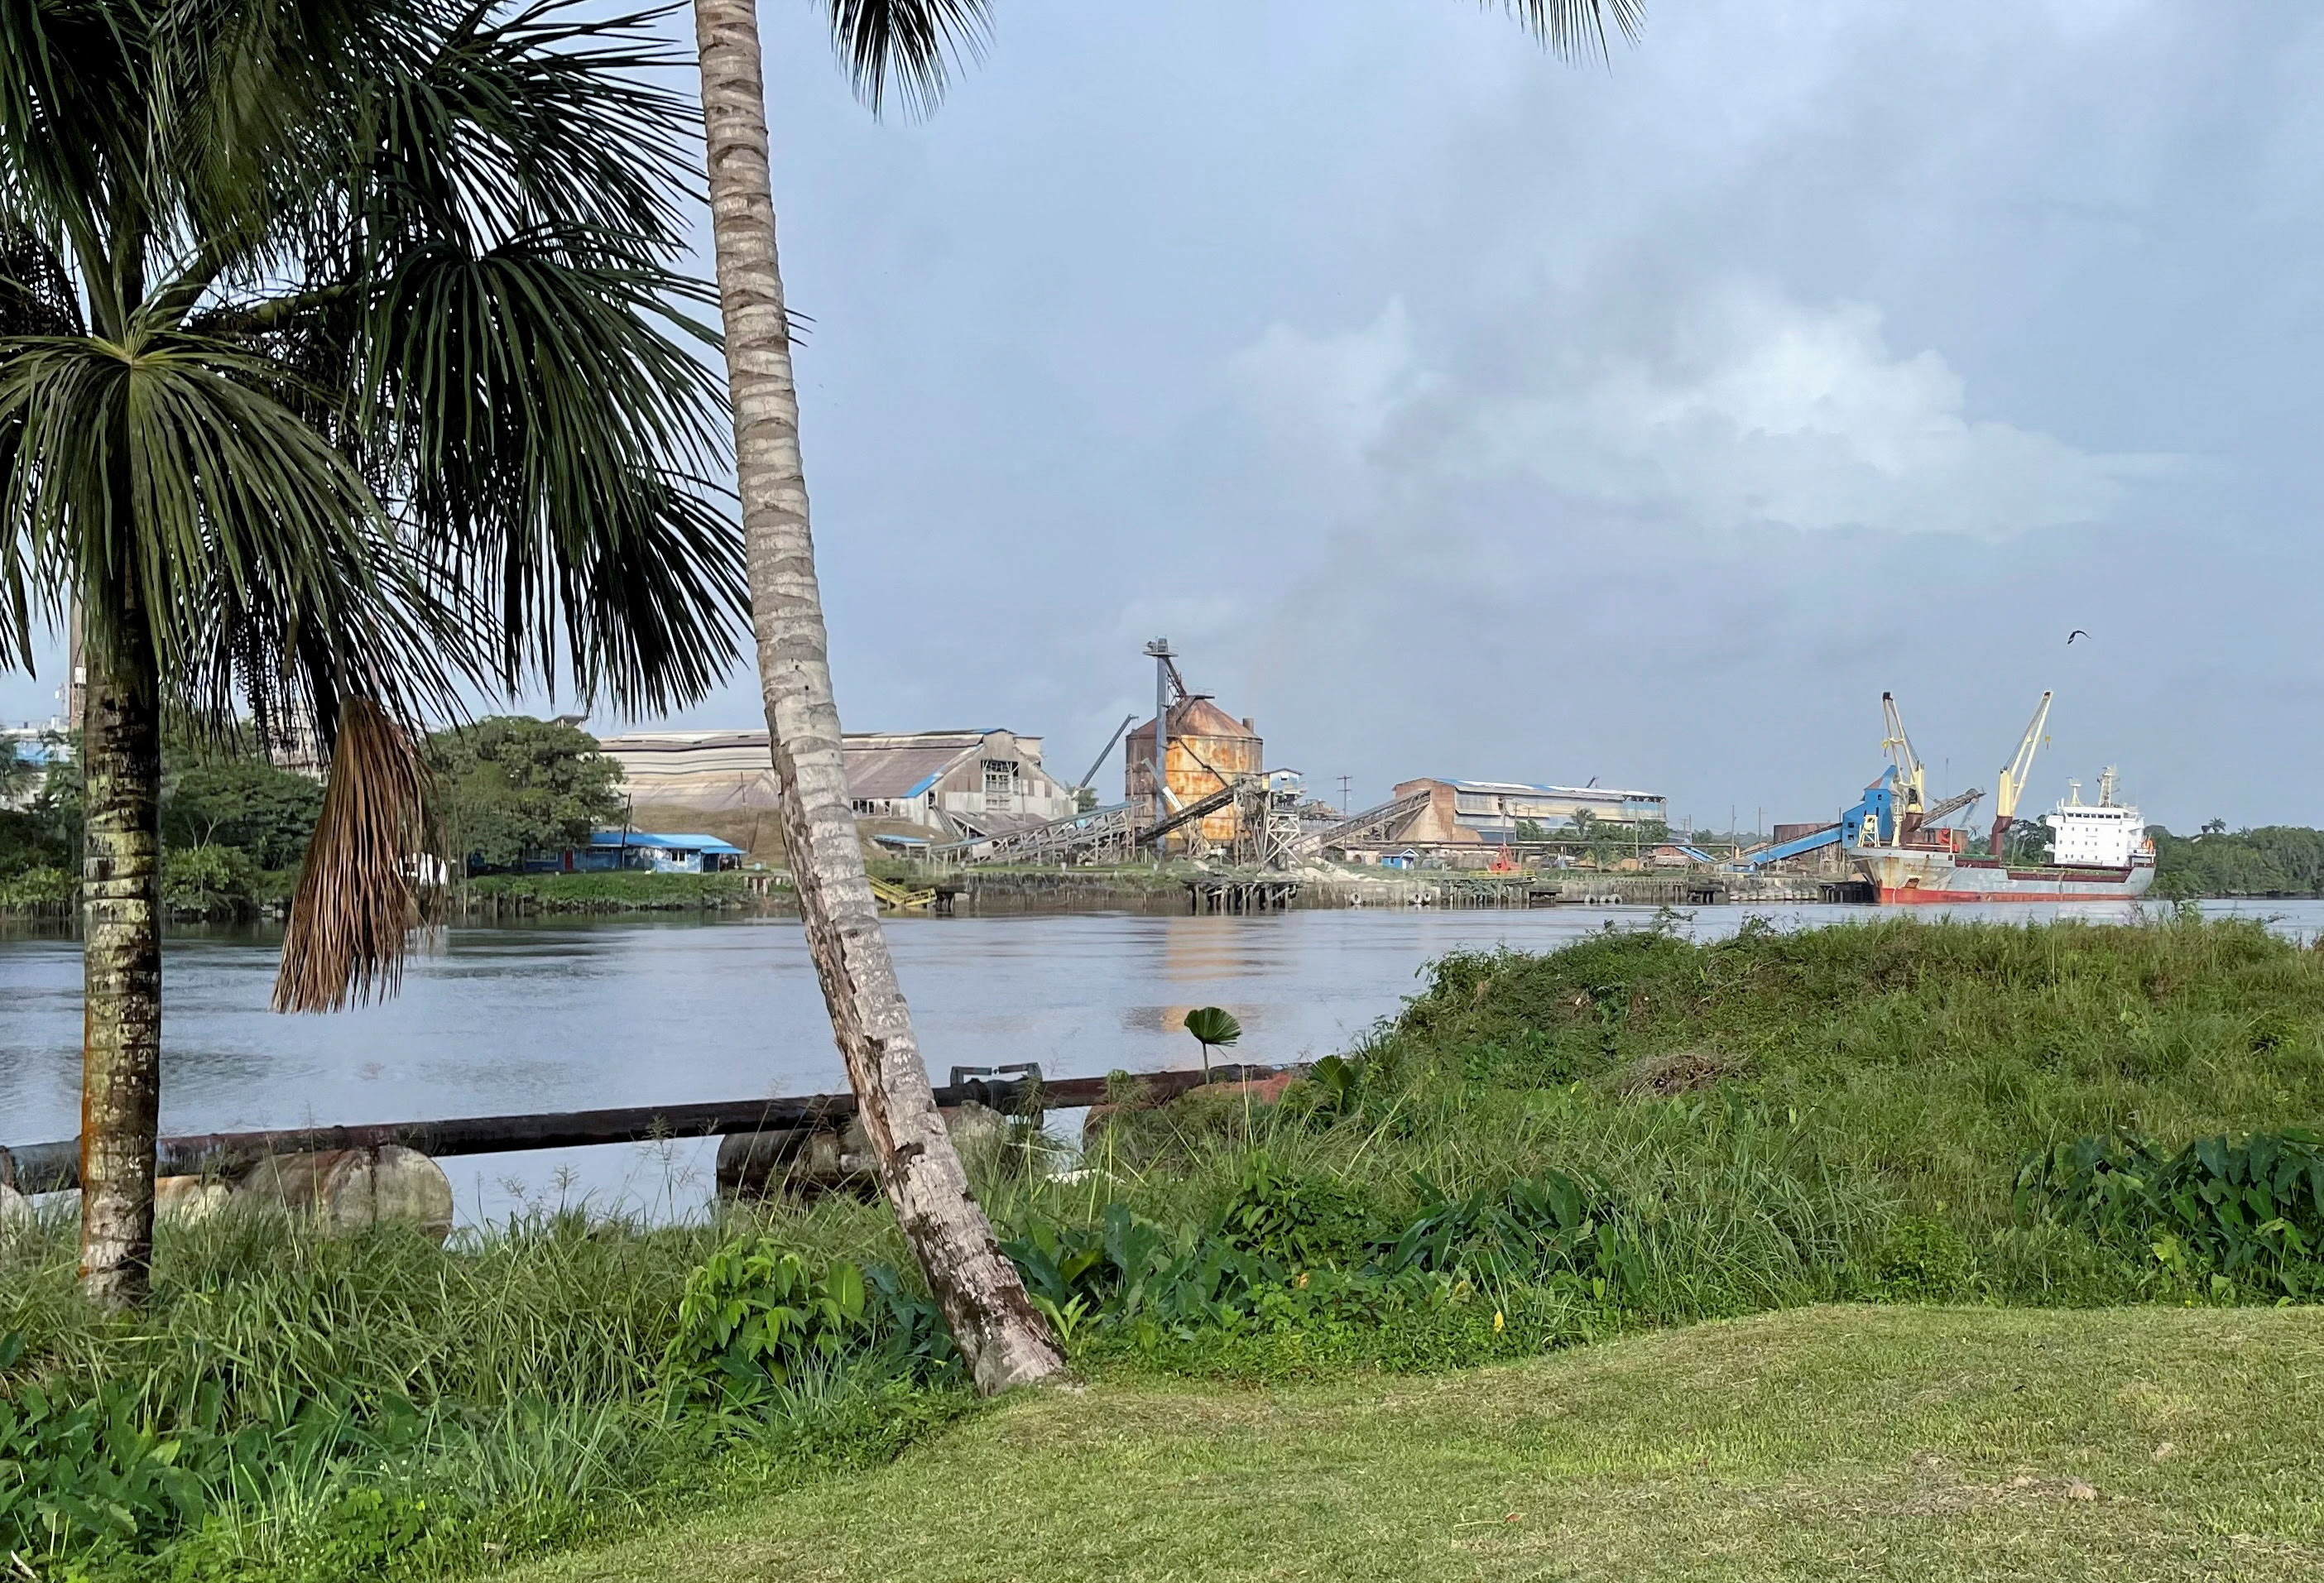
point(2077, 632)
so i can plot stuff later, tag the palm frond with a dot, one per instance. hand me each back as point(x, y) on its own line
point(491, 124)
point(1575, 30)
point(71, 129)
point(557, 448)
point(167, 483)
point(347, 367)
point(907, 46)
point(356, 904)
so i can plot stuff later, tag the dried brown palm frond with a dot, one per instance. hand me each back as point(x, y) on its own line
point(357, 903)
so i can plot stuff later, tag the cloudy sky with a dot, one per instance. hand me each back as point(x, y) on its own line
point(1456, 412)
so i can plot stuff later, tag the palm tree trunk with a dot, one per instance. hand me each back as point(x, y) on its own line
point(121, 995)
point(984, 1302)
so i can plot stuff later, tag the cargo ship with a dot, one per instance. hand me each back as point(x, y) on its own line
point(2099, 852)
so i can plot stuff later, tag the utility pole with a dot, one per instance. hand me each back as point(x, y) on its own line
point(1343, 795)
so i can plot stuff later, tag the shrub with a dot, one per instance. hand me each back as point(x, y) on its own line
point(753, 1315)
point(2249, 1212)
point(755, 1318)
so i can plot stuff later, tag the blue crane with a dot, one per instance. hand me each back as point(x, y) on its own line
point(1872, 821)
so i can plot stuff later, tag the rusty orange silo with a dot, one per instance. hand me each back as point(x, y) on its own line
point(1208, 749)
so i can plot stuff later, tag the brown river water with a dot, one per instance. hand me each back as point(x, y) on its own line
point(568, 1015)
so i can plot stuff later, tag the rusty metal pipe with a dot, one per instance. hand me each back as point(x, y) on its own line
point(54, 1167)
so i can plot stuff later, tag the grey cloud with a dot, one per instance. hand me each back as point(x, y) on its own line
point(1655, 418)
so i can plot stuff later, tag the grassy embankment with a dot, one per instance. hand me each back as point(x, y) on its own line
point(1631, 1134)
point(614, 892)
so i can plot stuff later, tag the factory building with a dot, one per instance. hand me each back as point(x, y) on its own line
point(1490, 811)
point(982, 783)
point(1209, 748)
point(943, 785)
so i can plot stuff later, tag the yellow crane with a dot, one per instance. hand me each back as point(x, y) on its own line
point(2012, 784)
point(1911, 775)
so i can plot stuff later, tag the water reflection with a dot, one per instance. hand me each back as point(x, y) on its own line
point(565, 1015)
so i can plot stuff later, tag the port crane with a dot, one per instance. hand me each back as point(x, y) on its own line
point(2012, 783)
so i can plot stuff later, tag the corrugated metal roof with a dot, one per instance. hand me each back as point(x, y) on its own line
point(1514, 787)
point(660, 841)
point(904, 770)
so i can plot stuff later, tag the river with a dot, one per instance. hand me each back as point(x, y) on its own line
point(563, 1014)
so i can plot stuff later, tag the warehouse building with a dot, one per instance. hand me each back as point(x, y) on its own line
point(1491, 810)
point(943, 785)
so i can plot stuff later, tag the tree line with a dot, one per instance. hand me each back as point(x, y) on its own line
point(2271, 860)
point(236, 825)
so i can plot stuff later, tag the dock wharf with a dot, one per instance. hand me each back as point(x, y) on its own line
point(1241, 896)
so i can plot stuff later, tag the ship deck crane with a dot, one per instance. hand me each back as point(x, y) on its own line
point(2012, 783)
point(1912, 776)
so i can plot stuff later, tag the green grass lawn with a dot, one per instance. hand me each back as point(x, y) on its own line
point(1922, 1444)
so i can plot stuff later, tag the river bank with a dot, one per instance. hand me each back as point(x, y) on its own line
point(1632, 1132)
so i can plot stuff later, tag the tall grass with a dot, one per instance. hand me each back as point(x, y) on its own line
point(1831, 1113)
point(375, 1405)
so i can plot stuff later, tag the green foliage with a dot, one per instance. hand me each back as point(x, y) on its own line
point(319, 1408)
point(513, 785)
point(2248, 1212)
point(1919, 1260)
point(1317, 1263)
point(1531, 1230)
point(219, 884)
point(1213, 1025)
point(1300, 1221)
point(1640, 1128)
point(40, 841)
point(606, 891)
point(73, 1473)
point(2274, 859)
point(243, 803)
point(37, 889)
point(234, 829)
point(754, 1315)
point(2029, 842)
point(304, 334)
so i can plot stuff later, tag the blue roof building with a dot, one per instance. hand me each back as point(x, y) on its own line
point(649, 850)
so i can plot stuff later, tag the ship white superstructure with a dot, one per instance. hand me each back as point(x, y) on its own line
point(2104, 834)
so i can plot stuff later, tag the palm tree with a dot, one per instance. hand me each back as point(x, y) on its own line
point(342, 375)
point(906, 45)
